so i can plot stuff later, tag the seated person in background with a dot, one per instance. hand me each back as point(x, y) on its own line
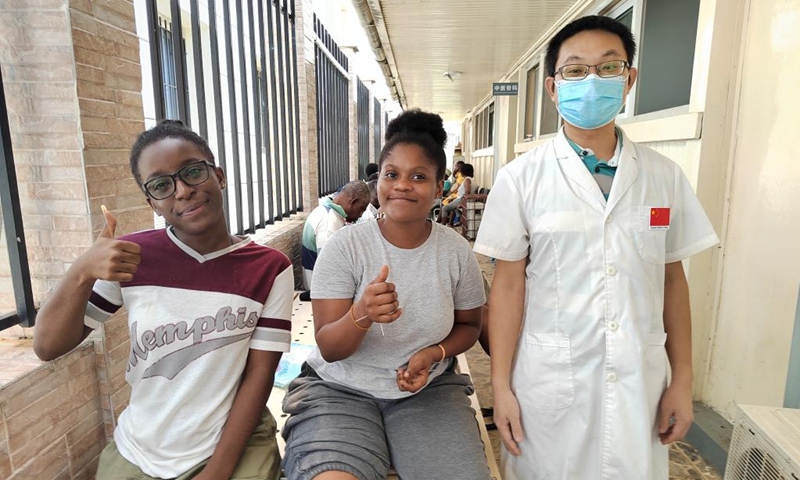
point(370, 170)
point(448, 181)
point(374, 205)
point(466, 187)
point(372, 395)
point(204, 347)
point(451, 193)
point(344, 206)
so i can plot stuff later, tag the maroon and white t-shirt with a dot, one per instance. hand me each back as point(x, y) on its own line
point(192, 319)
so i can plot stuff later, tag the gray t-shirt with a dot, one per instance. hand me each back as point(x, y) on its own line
point(432, 281)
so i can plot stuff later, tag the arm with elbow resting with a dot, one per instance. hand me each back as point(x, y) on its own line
point(59, 324)
point(465, 332)
point(506, 300)
point(676, 402)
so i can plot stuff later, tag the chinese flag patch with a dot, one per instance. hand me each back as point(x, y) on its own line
point(659, 217)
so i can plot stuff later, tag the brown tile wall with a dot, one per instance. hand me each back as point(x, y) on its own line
point(307, 93)
point(109, 85)
point(39, 81)
point(51, 421)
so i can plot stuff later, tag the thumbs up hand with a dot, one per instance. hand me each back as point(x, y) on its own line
point(108, 258)
point(379, 301)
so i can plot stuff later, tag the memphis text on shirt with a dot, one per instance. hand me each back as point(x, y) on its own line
point(172, 363)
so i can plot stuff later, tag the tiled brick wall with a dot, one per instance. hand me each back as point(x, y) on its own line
point(109, 85)
point(286, 236)
point(73, 89)
point(37, 65)
point(51, 424)
point(307, 90)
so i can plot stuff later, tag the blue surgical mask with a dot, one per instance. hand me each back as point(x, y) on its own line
point(592, 102)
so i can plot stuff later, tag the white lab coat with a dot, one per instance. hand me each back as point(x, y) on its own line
point(591, 365)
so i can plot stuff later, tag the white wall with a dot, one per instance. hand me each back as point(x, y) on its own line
point(761, 270)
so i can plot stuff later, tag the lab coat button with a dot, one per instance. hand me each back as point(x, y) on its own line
point(611, 377)
point(613, 326)
point(609, 218)
point(611, 270)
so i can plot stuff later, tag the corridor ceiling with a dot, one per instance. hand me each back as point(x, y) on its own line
point(477, 41)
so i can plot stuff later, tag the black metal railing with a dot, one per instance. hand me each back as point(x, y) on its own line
point(25, 311)
point(248, 62)
point(332, 112)
point(362, 104)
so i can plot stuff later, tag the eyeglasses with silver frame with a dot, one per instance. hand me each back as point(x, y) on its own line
point(613, 68)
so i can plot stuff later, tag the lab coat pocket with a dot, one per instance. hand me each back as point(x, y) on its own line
point(650, 241)
point(543, 372)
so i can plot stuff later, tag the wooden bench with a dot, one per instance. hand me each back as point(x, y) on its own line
point(303, 333)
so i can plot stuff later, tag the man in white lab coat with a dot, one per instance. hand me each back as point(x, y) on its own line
point(589, 307)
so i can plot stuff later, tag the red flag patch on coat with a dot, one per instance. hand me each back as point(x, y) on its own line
point(659, 217)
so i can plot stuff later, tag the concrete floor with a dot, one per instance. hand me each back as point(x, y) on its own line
point(685, 462)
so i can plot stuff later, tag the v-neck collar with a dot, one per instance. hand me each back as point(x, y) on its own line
point(204, 258)
point(575, 169)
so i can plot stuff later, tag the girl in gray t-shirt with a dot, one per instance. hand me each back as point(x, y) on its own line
point(394, 302)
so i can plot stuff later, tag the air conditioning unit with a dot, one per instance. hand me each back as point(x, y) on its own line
point(765, 445)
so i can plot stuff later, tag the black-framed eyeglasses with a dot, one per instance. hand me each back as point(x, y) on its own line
point(164, 186)
point(613, 68)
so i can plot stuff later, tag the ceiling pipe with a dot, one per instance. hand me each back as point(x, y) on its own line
point(368, 22)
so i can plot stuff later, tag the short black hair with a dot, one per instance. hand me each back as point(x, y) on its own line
point(423, 129)
point(584, 24)
point(370, 169)
point(166, 129)
point(467, 170)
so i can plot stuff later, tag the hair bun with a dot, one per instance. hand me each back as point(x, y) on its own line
point(415, 121)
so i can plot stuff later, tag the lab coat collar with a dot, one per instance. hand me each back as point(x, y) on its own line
point(574, 168)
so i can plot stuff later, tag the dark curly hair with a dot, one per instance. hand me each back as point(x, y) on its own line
point(166, 129)
point(423, 129)
point(585, 24)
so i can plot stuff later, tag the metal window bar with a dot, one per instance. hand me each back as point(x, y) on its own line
point(362, 120)
point(247, 185)
point(279, 30)
point(268, 208)
point(199, 82)
point(276, 126)
point(332, 111)
point(217, 90)
point(155, 58)
point(296, 125)
point(290, 87)
point(168, 82)
point(264, 161)
point(377, 129)
point(257, 118)
point(178, 63)
point(237, 175)
point(25, 313)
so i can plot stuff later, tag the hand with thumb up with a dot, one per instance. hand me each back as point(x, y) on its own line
point(379, 301)
point(108, 258)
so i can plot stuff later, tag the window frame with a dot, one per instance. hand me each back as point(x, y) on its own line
point(25, 312)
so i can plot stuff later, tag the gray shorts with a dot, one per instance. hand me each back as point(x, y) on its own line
point(433, 434)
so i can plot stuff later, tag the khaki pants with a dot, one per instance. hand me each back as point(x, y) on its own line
point(260, 460)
